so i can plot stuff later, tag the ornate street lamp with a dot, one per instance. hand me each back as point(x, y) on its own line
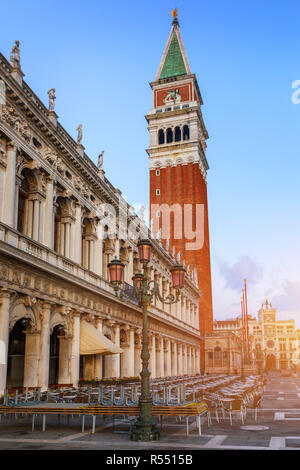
point(116, 270)
point(178, 274)
point(145, 291)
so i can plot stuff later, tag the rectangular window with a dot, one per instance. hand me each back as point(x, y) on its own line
point(158, 192)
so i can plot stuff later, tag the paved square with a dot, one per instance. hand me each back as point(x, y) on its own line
point(280, 418)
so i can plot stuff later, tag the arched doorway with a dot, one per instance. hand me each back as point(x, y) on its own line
point(270, 362)
point(16, 354)
point(58, 331)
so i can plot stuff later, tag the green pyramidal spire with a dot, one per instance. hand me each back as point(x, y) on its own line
point(174, 63)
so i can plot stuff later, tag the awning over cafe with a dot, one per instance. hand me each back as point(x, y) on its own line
point(93, 342)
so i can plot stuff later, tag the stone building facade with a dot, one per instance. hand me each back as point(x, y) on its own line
point(58, 219)
point(273, 343)
point(222, 353)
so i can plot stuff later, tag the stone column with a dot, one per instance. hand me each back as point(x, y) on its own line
point(128, 355)
point(65, 359)
point(48, 226)
point(180, 360)
point(36, 219)
point(18, 184)
point(153, 357)
point(198, 361)
point(9, 194)
point(45, 347)
point(115, 358)
point(193, 361)
point(4, 337)
point(159, 363)
point(76, 235)
point(67, 239)
point(190, 361)
point(117, 248)
point(28, 217)
point(161, 358)
point(131, 353)
point(75, 350)
point(168, 372)
point(185, 366)
point(137, 355)
point(99, 359)
point(31, 363)
point(183, 312)
point(174, 360)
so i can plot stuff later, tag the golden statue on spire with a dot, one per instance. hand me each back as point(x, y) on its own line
point(174, 14)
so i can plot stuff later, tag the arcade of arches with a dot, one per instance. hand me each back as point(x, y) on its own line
point(44, 347)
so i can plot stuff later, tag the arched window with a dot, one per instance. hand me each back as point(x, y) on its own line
point(29, 218)
point(23, 195)
point(186, 132)
point(16, 354)
point(57, 228)
point(161, 137)
point(177, 134)
point(169, 135)
point(55, 358)
point(218, 353)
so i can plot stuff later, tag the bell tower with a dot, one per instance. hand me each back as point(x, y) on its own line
point(178, 168)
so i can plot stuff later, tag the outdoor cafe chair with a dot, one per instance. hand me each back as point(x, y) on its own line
point(255, 405)
point(212, 407)
point(234, 407)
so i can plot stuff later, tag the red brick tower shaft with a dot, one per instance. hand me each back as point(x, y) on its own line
point(178, 167)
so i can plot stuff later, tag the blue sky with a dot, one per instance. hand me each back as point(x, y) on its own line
point(101, 56)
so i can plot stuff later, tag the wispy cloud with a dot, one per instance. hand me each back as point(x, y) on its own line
point(289, 299)
point(244, 268)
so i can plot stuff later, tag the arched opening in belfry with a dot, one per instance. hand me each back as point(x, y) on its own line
point(186, 132)
point(177, 134)
point(54, 358)
point(161, 137)
point(169, 135)
point(16, 354)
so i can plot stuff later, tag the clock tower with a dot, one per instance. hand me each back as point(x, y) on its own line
point(178, 169)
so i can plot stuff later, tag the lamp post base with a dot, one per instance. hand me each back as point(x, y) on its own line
point(145, 432)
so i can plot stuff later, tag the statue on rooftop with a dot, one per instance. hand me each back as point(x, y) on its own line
point(52, 98)
point(79, 136)
point(100, 160)
point(15, 55)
